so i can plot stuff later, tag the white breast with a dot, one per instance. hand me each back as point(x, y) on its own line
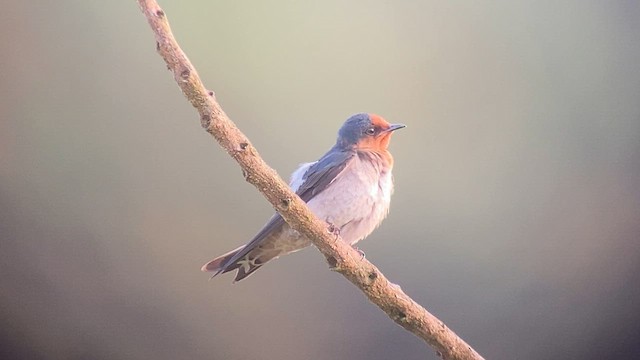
point(358, 200)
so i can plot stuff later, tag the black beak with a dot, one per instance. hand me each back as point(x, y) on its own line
point(394, 127)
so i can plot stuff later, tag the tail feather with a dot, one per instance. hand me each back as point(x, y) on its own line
point(219, 263)
point(246, 265)
point(252, 262)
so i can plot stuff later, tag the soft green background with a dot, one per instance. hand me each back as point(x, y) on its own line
point(515, 218)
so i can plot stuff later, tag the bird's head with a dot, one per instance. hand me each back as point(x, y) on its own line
point(366, 132)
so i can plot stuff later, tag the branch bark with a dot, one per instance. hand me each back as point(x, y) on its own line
point(340, 256)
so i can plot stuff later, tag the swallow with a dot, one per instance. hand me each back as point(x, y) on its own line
point(350, 188)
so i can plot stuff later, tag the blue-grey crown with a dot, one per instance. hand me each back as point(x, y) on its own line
point(353, 129)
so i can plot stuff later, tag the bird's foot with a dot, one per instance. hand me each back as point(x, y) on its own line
point(332, 229)
point(362, 254)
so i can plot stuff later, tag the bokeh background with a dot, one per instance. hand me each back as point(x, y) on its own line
point(515, 218)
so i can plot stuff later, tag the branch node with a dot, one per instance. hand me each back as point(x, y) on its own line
point(159, 13)
point(246, 175)
point(284, 204)
point(333, 263)
point(242, 147)
point(211, 93)
point(205, 121)
point(184, 74)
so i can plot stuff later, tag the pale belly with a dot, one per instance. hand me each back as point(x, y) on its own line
point(356, 202)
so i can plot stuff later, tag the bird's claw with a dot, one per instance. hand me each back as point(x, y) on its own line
point(362, 254)
point(332, 229)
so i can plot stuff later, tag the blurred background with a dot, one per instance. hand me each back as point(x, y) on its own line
point(515, 218)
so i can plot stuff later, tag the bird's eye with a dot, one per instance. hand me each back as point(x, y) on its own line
point(370, 131)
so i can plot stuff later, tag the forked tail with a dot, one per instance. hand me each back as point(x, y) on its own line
point(246, 264)
point(217, 265)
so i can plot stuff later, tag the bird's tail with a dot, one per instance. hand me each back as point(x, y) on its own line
point(246, 264)
point(216, 265)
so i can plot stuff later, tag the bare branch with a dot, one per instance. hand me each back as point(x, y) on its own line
point(341, 257)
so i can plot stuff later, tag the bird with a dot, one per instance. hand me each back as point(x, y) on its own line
point(349, 187)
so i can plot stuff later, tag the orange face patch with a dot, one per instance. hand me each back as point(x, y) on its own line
point(379, 142)
point(378, 121)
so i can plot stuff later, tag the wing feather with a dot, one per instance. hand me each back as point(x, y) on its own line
point(323, 172)
point(317, 177)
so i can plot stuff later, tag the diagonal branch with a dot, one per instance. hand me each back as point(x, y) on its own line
point(341, 257)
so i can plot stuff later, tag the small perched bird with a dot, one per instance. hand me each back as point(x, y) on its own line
point(349, 187)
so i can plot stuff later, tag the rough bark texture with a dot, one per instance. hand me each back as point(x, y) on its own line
point(341, 257)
